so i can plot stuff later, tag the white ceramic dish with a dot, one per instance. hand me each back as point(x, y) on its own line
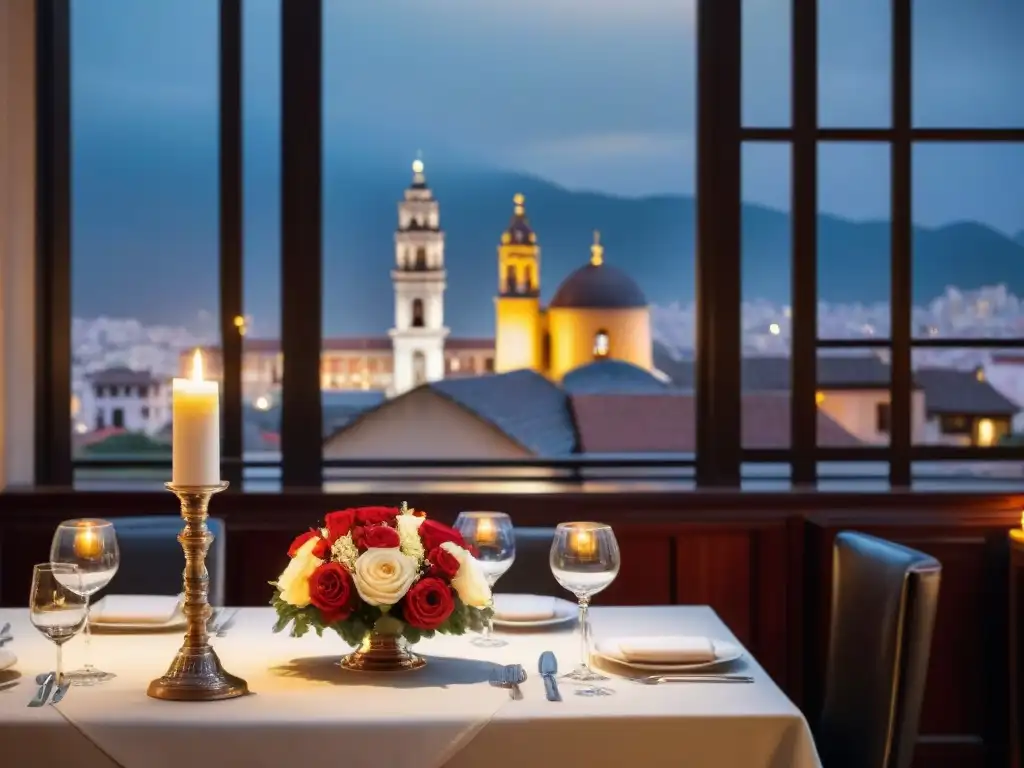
point(725, 653)
point(565, 612)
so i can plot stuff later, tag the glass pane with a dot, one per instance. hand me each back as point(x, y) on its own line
point(767, 56)
point(444, 329)
point(968, 63)
point(968, 247)
point(766, 271)
point(145, 222)
point(854, 241)
point(261, 346)
point(854, 63)
point(853, 398)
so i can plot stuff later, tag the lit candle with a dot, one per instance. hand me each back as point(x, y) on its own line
point(196, 428)
point(87, 543)
point(584, 544)
point(486, 532)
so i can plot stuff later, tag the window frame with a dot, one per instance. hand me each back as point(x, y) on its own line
point(721, 135)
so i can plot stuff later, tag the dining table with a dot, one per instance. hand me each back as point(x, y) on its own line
point(304, 710)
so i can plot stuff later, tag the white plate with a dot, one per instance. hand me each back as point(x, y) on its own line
point(564, 613)
point(725, 652)
point(7, 659)
point(177, 621)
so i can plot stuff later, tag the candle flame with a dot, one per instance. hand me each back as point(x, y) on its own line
point(197, 366)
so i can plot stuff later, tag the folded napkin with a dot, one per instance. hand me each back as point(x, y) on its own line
point(135, 609)
point(524, 607)
point(667, 650)
point(7, 658)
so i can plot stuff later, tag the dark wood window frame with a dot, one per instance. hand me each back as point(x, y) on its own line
point(720, 138)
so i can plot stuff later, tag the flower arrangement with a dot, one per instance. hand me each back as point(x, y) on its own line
point(380, 565)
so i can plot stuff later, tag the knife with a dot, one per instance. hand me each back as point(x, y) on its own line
point(44, 691)
point(61, 691)
point(548, 668)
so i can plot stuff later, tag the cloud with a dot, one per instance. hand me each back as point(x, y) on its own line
point(595, 148)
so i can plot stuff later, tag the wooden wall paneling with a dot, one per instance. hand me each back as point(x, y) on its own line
point(714, 567)
point(772, 632)
point(1016, 649)
point(645, 576)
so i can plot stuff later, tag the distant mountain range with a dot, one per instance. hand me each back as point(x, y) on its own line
point(151, 254)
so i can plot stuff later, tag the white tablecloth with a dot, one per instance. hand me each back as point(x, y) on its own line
point(307, 712)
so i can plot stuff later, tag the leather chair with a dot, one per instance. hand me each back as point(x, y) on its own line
point(884, 598)
point(531, 572)
point(152, 561)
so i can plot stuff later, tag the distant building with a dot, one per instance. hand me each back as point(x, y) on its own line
point(598, 312)
point(122, 398)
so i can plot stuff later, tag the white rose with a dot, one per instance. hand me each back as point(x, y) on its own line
point(294, 582)
point(469, 583)
point(409, 536)
point(383, 576)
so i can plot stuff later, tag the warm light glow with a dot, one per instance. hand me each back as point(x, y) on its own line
point(584, 544)
point(601, 344)
point(986, 432)
point(262, 403)
point(819, 397)
point(417, 166)
point(1022, 519)
point(980, 374)
point(87, 543)
point(596, 251)
point(486, 532)
point(197, 366)
point(774, 329)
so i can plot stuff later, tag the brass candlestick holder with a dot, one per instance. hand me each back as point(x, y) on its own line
point(196, 673)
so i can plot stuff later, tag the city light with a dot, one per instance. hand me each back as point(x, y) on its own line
point(774, 329)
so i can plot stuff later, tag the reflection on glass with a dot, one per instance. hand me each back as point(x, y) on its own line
point(90, 546)
point(494, 542)
point(585, 560)
point(57, 605)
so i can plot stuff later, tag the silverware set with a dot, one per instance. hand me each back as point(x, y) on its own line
point(48, 684)
point(510, 676)
point(221, 621)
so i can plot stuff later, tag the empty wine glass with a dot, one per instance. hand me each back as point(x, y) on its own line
point(57, 605)
point(585, 559)
point(491, 534)
point(91, 545)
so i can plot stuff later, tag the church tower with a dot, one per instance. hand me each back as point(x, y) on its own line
point(519, 321)
point(417, 339)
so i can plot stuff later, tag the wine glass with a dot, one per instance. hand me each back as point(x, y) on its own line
point(58, 605)
point(92, 546)
point(491, 534)
point(584, 560)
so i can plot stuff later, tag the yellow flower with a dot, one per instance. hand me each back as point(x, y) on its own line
point(469, 583)
point(294, 582)
point(409, 536)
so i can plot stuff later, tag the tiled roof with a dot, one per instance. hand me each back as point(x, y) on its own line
point(958, 392)
point(772, 374)
point(611, 377)
point(666, 423)
point(120, 375)
point(522, 404)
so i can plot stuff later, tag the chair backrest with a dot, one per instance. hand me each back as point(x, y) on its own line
point(884, 598)
point(152, 560)
point(531, 572)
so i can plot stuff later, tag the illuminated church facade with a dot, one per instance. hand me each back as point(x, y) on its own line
point(598, 312)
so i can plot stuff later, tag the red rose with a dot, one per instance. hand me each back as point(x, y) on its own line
point(301, 539)
point(376, 515)
point(444, 563)
point(379, 536)
point(331, 590)
point(428, 604)
point(339, 523)
point(322, 549)
point(433, 534)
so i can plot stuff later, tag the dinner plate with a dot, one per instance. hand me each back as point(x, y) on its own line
point(177, 621)
point(564, 613)
point(7, 659)
point(725, 652)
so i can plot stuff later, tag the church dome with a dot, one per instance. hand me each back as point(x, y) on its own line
point(598, 286)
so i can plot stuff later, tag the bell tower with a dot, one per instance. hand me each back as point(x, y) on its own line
point(518, 322)
point(417, 340)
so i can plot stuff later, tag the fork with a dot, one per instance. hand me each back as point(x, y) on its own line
point(5, 634)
